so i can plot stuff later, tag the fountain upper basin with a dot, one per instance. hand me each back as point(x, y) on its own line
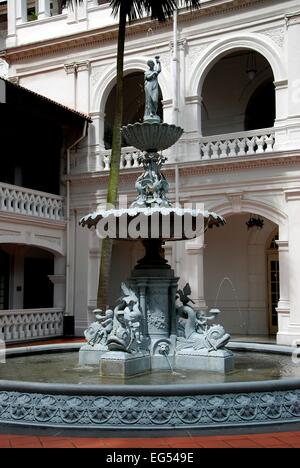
point(151, 136)
point(158, 223)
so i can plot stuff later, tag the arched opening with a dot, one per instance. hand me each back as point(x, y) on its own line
point(25, 277)
point(236, 278)
point(238, 94)
point(134, 102)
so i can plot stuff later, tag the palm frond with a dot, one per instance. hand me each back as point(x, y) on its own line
point(160, 10)
point(70, 3)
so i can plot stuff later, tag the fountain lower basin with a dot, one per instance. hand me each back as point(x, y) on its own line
point(53, 391)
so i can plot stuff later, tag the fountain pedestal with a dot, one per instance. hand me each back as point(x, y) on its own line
point(91, 355)
point(221, 361)
point(123, 365)
point(157, 290)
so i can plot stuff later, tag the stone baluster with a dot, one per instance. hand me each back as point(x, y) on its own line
point(260, 140)
point(205, 147)
point(128, 159)
point(241, 144)
point(136, 156)
point(215, 150)
point(106, 160)
point(122, 161)
point(223, 149)
point(232, 148)
point(251, 145)
point(270, 143)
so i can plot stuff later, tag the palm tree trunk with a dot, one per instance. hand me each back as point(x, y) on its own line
point(113, 182)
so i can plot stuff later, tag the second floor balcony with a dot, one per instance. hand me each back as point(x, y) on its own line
point(225, 147)
point(31, 21)
point(21, 201)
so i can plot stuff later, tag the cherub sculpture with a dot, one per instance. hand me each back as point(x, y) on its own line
point(194, 330)
point(98, 332)
point(126, 332)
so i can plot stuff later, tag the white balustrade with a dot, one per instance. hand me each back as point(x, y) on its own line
point(26, 325)
point(129, 159)
point(19, 200)
point(237, 144)
point(228, 146)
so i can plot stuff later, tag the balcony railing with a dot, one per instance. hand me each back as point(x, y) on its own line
point(19, 200)
point(237, 144)
point(129, 159)
point(27, 325)
point(227, 146)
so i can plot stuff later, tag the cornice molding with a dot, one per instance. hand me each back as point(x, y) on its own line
point(32, 221)
point(195, 168)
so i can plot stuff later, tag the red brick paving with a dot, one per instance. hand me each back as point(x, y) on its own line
point(276, 440)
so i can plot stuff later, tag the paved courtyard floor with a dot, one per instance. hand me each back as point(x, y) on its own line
point(267, 440)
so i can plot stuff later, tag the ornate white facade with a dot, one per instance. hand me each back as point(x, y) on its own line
point(222, 160)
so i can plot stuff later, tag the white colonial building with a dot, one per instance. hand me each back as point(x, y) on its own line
point(231, 79)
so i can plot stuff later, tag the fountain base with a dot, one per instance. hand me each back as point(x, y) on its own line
point(221, 361)
point(91, 355)
point(124, 365)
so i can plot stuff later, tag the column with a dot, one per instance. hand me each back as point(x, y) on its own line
point(195, 274)
point(82, 11)
point(59, 282)
point(70, 69)
point(293, 203)
point(182, 47)
point(21, 11)
point(83, 87)
point(293, 27)
point(282, 110)
point(81, 280)
point(283, 308)
point(11, 19)
point(44, 9)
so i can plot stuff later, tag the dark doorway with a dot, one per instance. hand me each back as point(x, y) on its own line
point(4, 280)
point(261, 110)
point(38, 289)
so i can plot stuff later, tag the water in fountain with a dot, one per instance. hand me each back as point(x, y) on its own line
point(234, 291)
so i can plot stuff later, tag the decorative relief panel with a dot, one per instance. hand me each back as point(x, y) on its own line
point(277, 35)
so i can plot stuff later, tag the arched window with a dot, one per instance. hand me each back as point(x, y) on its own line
point(238, 94)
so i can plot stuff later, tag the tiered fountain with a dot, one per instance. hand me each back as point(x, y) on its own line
point(152, 330)
point(148, 330)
